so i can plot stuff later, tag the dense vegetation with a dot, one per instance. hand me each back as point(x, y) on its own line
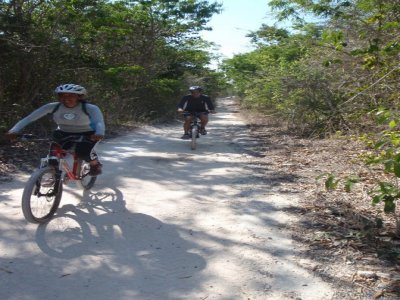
point(338, 72)
point(328, 74)
point(136, 58)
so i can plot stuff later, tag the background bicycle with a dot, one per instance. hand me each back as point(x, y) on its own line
point(194, 130)
point(42, 193)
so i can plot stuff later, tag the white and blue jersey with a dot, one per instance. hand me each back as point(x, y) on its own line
point(71, 120)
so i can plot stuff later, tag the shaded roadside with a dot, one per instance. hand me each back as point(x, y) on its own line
point(339, 229)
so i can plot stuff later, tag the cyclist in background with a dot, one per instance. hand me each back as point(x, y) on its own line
point(195, 102)
point(73, 116)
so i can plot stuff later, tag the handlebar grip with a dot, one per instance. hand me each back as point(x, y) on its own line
point(26, 136)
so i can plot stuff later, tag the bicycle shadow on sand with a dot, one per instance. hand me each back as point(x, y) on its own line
point(119, 244)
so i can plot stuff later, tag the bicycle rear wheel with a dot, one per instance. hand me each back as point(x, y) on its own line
point(195, 133)
point(86, 181)
point(42, 195)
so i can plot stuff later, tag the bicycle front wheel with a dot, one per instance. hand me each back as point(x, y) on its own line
point(195, 133)
point(86, 181)
point(42, 195)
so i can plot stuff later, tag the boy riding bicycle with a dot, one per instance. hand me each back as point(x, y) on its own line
point(195, 103)
point(73, 116)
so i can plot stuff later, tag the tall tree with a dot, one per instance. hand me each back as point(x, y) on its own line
point(132, 55)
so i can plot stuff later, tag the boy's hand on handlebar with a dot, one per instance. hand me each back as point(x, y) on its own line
point(11, 136)
point(213, 111)
point(96, 137)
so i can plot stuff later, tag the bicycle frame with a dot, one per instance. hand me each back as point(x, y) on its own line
point(57, 156)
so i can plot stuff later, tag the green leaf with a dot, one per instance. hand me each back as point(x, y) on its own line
point(390, 205)
point(379, 222)
point(397, 157)
point(382, 116)
point(391, 25)
point(396, 168)
point(376, 199)
point(386, 187)
point(392, 124)
point(331, 182)
point(379, 144)
point(350, 182)
point(388, 165)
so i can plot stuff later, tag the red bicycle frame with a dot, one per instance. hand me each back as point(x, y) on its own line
point(60, 153)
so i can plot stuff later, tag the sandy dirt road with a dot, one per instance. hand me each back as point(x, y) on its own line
point(162, 222)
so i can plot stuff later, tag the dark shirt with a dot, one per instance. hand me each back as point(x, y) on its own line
point(202, 103)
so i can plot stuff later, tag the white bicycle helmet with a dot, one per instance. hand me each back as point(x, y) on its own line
point(195, 88)
point(71, 88)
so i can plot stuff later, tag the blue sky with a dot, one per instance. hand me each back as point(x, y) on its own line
point(237, 19)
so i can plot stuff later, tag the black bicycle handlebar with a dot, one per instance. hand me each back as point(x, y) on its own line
point(70, 138)
point(30, 137)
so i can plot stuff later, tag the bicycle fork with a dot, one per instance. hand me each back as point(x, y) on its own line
point(54, 191)
point(195, 128)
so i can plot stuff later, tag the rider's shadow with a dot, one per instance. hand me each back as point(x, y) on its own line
point(100, 227)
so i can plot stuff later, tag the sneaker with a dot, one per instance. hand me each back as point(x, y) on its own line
point(96, 169)
point(203, 131)
point(186, 136)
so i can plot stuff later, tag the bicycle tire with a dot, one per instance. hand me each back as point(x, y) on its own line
point(39, 201)
point(195, 132)
point(86, 181)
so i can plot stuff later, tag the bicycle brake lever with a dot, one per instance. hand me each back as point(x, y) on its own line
point(27, 137)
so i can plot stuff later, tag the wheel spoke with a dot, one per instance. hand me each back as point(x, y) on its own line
point(41, 196)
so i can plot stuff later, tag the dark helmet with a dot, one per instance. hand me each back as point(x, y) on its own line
point(195, 88)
